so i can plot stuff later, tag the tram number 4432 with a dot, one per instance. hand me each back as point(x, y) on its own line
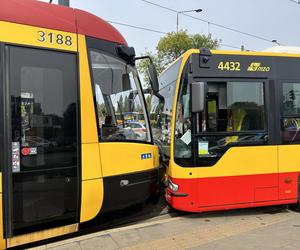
point(53, 38)
point(230, 66)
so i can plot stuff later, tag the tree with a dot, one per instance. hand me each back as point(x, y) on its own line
point(173, 45)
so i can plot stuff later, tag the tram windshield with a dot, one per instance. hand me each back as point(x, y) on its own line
point(120, 104)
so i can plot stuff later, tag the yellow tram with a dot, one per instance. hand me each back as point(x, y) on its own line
point(64, 75)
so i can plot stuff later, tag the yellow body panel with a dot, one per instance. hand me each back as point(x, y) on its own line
point(120, 158)
point(288, 158)
point(91, 199)
point(236, 161)
point(156, 156)
point(91, 162)
point(92, 183)
point(29, 35)
point(89, 133)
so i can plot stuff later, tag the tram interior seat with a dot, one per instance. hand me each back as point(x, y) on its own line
point(245, 119)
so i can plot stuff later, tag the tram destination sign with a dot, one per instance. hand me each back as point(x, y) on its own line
point(244, 65)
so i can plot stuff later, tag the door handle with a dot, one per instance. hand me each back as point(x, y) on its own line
point(124, 183)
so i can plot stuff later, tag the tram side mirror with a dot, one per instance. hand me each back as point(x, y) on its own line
point(153, 78)
point(198, 92)
point(152, 73)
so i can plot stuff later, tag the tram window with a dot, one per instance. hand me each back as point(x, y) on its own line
point(245, 106)
point(291, 98)
point(291, 112)
point(231, 108)
point(44, 107)
point(162, 112)
point(119, 99)
point(234, 107)
point(183, 121)
point(161, 109)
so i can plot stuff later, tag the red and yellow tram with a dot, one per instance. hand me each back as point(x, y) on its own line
point(64, 75)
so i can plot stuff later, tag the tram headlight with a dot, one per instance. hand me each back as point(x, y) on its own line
point(174, 187)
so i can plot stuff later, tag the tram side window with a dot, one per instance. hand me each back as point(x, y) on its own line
point(290, 112)
point(244, 108)
point(161, 109)
point(183, 121)
point(234, 107)
point(164, 110)
point(119, 100)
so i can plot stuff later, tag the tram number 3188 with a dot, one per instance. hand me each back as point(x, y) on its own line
point(54, 38)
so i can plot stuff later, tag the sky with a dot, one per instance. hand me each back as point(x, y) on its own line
point(269, 19)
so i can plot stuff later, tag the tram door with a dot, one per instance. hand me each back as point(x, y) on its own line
point(43, 111)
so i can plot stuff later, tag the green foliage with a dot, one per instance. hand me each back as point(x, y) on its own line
point(143, 65)
point(173, 45)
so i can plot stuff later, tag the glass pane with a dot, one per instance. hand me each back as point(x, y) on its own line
point(44, 108)
point(183, 137)
point(155, 107)
point(161, 110)
point(291, 98)
point(230, 107)
point(245, 106)
point(120, 107)
point(291, 130)
point(170, 74)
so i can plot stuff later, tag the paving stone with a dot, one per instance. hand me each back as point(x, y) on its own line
point(153, 232)
point(101, 242)
point(246, 230)
point(71, 246)
point(126, 238)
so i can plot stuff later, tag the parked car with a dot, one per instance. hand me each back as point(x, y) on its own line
point(138, 128)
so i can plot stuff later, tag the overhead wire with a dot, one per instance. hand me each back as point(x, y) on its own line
point(159, 31)
point(209, 22)
point(138, 27)
point(295, 1)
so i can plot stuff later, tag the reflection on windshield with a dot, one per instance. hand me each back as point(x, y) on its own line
point(121, 112)
point(161, 117)
point(161, 109)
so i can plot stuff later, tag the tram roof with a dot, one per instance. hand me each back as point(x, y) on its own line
point(51, 16)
